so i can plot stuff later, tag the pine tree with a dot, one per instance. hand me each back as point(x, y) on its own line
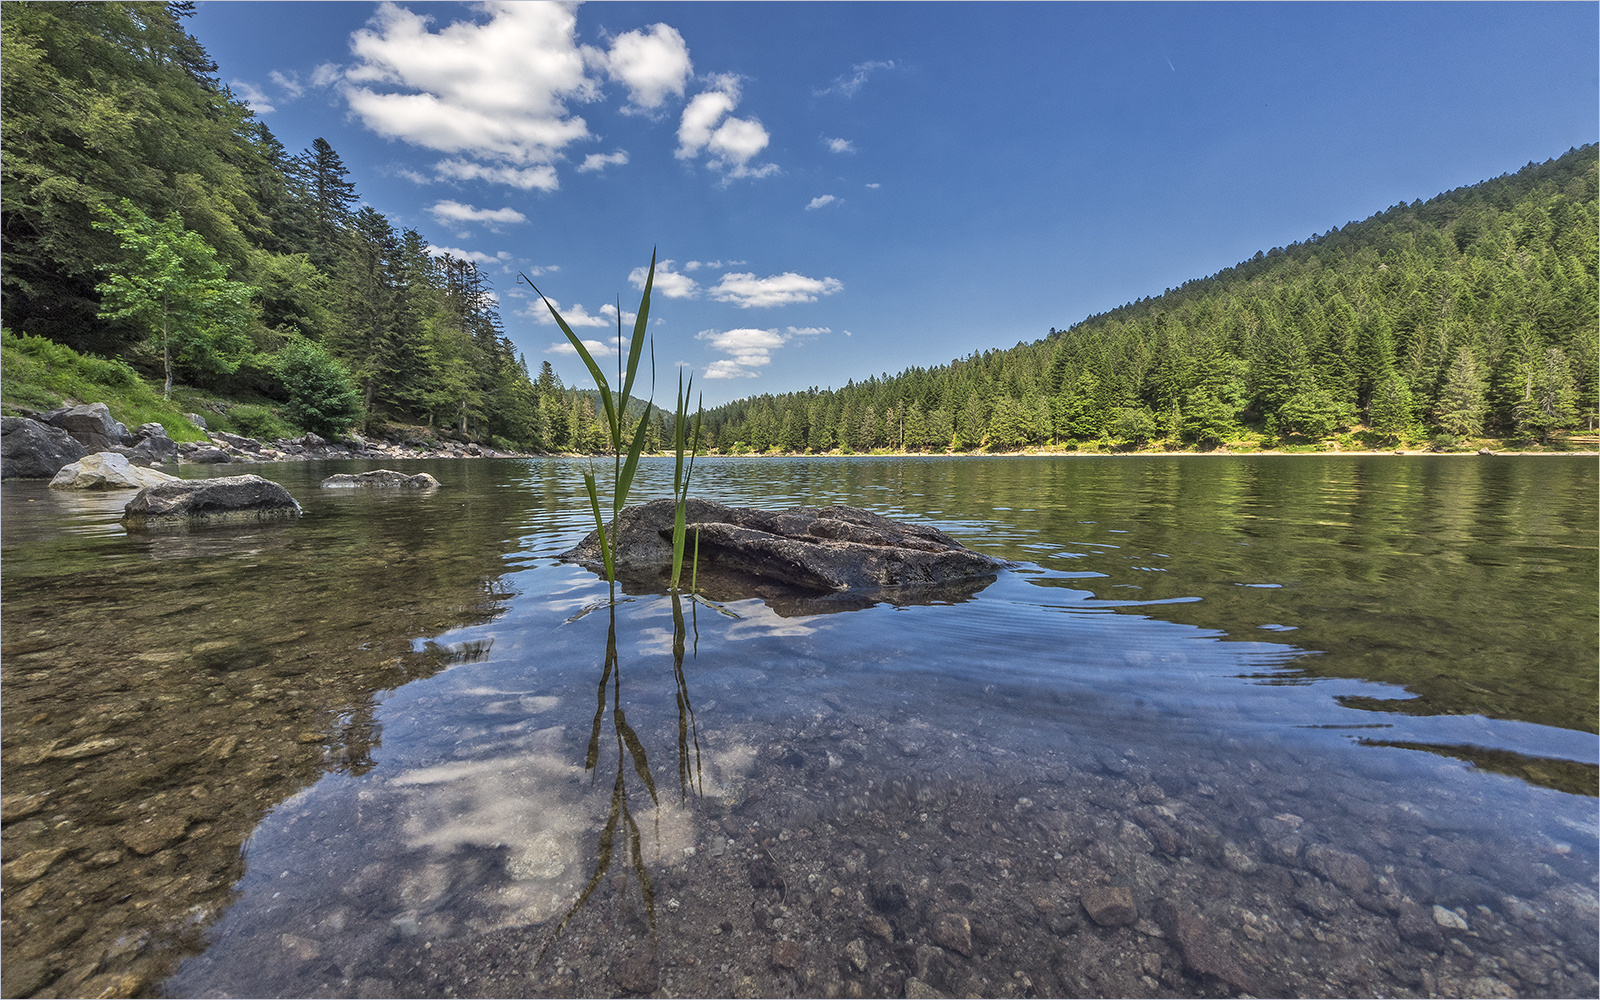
point(1549, 395)
point(1390, 413)
point(1008, 425)
point(332, 195)
point(1460, 410)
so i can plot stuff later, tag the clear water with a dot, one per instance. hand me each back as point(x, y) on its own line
point(1310, 712)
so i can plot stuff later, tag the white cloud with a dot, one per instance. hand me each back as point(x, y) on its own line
point(821, 200)
point(454, 211)
point(667, 282)
point(575, 315)
point(327, 74)
point(492, 93)
point(599, 161)
point(839, 145)
point(702, 115)
point(748, 348)
point(651, 64)
point(851, 82)
point(727, 369)
point(527, 178)
point(874, 185)
point(708, 127)
point(594, 347)
point(254, 97)
point(609, 311)
point(476, 256)
point(288, 82)
point(746, 290)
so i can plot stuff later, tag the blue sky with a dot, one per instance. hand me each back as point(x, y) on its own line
point(849, 189)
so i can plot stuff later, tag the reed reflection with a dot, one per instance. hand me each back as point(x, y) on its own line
point(630, 750)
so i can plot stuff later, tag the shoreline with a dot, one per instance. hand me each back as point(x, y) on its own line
point(1417, 453)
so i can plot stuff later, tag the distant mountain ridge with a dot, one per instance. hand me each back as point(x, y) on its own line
point(1473, 313)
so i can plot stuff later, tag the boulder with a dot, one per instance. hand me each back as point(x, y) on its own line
point(107, 471)
point(236, 441)
point(30, 449)
point(91, 425)
point(183, 503)
point(208, 456)
point(196, 419)
point(382, 477)
point(817, 549)
point(152, 450)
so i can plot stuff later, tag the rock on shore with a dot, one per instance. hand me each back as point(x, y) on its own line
point(107, 470)
point(32, 449)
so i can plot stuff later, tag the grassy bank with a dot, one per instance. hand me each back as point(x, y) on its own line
point(40, 374)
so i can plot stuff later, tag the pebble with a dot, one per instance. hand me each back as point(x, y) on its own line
point(1110, 906)
point(878, 927)
point(916, 989)
point(787, 954)
point(954, 931)
point(30, 866)
point(1449, 919)
point(1343, 869)
point(1237, 861)
point(856, 951)
point(152, 835)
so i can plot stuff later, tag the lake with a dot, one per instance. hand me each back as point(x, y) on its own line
point(1290, 726)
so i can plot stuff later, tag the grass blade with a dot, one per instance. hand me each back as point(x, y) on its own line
point(625, 477)
point(600, 526)
point(637, 347)
point(588, 361)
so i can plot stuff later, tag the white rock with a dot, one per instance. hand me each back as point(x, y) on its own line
point(1449, 919)
point(106, 470)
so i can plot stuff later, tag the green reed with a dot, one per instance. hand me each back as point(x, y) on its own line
point(682, 437)
point(685, 439)
point(622, 442)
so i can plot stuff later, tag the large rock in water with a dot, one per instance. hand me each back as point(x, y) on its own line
point(382, 477)
point(30, 449)
point(107, 470)
point(816, 549)
point(186, 503)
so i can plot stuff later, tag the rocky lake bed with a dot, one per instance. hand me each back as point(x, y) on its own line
point(359, 753)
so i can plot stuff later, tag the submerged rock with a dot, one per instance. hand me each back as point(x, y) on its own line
point(107, 470)
point(382, 477)
point(200, 501)
point(820, 550)
point(1110, 906)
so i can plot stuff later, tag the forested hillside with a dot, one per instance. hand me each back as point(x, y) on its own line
point(150, 217)
point(1471, 314)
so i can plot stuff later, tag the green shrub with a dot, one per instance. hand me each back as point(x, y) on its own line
point(322, 395)
point(257, 422)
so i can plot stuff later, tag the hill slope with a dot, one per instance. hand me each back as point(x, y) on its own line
point(1473, 313)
